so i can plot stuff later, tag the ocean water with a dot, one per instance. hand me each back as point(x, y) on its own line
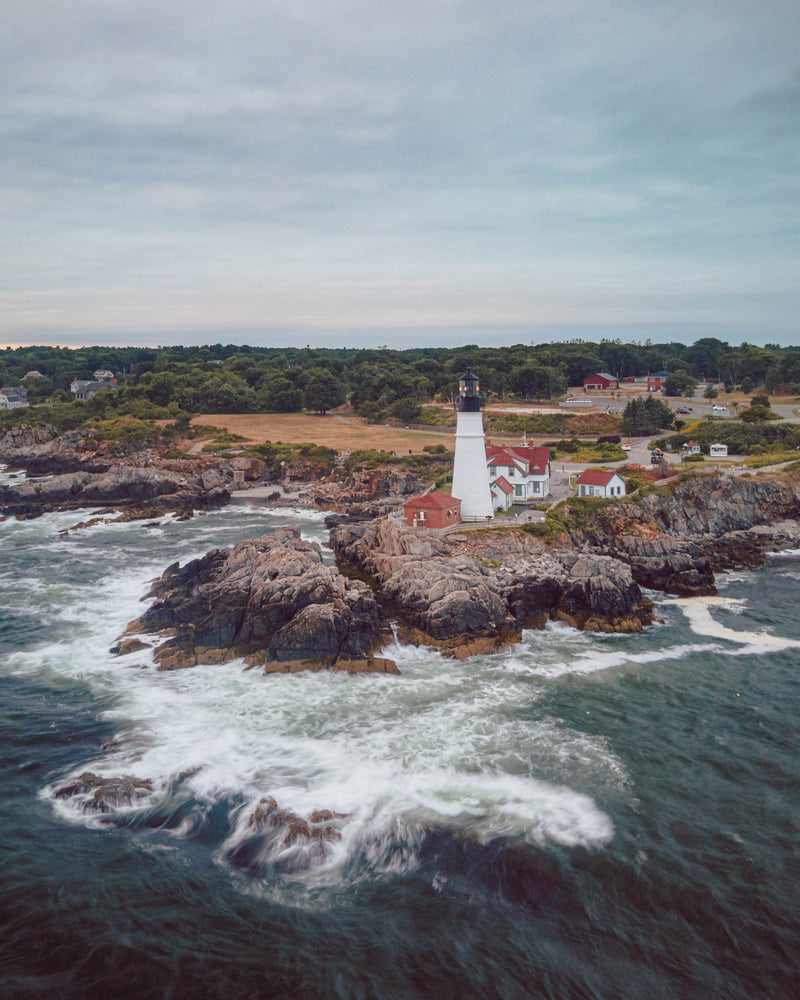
point(584, 817)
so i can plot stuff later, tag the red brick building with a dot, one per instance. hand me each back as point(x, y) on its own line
point(434, 510)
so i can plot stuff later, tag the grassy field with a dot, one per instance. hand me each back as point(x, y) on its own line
point(341, 433)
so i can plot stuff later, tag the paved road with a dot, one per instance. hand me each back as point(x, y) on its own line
point(701, 407)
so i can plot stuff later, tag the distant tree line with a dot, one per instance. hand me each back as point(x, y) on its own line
point(380, 383)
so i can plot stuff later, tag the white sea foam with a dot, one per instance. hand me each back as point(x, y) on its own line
point(702, 622)
point(445, 742)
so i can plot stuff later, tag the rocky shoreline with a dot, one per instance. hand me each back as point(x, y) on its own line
point(77, 470)
point(274, 602)
point(269, 600)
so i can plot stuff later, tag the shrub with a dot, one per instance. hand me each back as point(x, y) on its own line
point(273, 454)
point(435, 416)
point(126, 429)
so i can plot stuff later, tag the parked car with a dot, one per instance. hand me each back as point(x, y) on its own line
point(684, 410)
point(625, 447)
point(719, 409)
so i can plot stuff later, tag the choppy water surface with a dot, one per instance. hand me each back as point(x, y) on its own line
point(587, 816)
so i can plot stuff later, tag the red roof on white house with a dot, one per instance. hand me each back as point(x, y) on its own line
point(503, 456)
point(435, 500)
point(529, 460)
point(503, 484)
point(596, 477)
point(537, 458)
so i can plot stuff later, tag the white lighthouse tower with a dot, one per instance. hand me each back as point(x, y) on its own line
point(470, 472)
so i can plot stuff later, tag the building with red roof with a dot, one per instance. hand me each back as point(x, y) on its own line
point(432, 510)
point(525, 469)
point(600, 483)
point(600, 380)
point(502, 493)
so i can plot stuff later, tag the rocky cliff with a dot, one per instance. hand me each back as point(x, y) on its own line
point(464, 604)
point(78, 470)
point(271, 600)
point(677, 539)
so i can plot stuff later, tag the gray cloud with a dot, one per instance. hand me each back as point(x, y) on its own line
point(184, 166)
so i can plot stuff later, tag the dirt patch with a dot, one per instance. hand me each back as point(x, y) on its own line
point(340, 432)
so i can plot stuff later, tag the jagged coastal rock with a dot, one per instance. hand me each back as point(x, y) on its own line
point(123, 485)
point(80, 470)
point(464, 605)
point(274, 601)
point(677, 539)
point(100, 794)
point(271, 600)
point(365, 494)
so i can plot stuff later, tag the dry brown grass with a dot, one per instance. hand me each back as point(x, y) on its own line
point(341, 433)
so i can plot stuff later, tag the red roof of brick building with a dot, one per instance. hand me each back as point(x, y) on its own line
point(435, 500)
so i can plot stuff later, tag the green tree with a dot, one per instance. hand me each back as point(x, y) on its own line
point(679, 384)
point(538, 382)
point(405, 410)
point(646, 416)
point(757, 414)
point(280, 396)
point(323, 392)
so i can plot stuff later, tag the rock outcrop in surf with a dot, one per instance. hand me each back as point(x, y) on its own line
point(271, 600)
point(465, 605)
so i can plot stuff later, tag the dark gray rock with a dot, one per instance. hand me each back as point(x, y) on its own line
point(269, 599)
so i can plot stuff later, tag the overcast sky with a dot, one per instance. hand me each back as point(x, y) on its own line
point(398, 171)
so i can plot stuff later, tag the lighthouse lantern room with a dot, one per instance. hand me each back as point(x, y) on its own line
point(469, 393)
point(470, 471)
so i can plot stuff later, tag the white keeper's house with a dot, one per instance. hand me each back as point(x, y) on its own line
point(600, 483)
point(526, 470)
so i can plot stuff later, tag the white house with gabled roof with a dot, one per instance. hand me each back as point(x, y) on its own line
point(600, 483)
point(502, 493)
point(525, 469)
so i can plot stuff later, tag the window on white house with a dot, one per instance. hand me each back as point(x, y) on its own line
point(517, 491)
point(493, 470)
point(510, 472)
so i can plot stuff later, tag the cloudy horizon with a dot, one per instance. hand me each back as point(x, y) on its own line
point(351, 172)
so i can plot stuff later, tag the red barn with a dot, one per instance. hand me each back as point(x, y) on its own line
point(601, 380)
point(434, 510)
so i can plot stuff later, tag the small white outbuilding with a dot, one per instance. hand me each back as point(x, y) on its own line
point(600, 483)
